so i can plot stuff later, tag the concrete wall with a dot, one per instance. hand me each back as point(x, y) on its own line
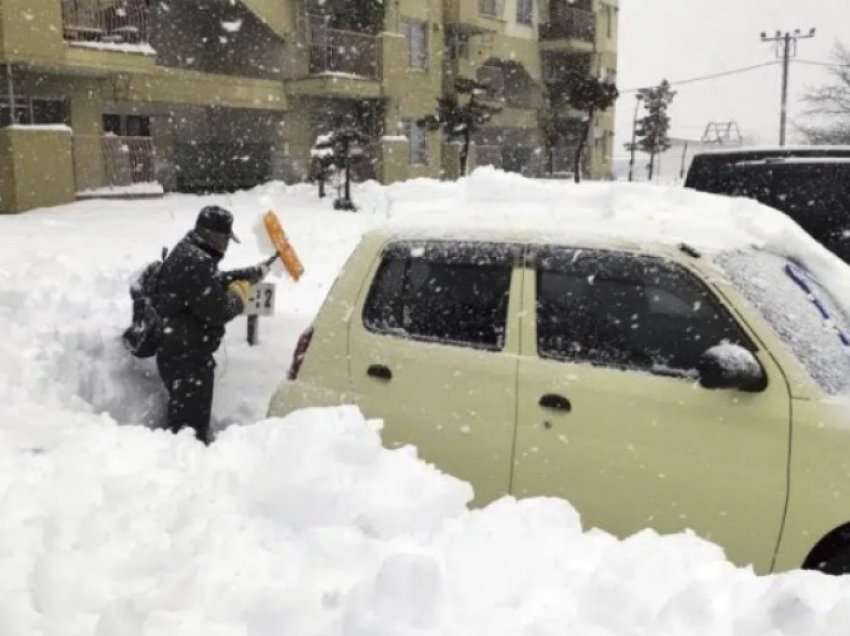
point(412, 93)
point(32, 30)
point(35, 168)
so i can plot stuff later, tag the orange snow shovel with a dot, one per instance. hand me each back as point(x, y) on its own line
point(284, 248)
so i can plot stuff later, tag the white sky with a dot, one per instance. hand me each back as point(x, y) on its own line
point(681, 39)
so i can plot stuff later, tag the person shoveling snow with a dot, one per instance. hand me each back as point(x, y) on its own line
point(194, 301)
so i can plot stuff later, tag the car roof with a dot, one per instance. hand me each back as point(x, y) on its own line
point(777, 152)
point(531, 236)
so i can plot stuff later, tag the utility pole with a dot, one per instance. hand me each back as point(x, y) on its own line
point(786, 48)
point(633, 145)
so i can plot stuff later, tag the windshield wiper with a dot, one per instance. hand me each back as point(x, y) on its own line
point(799, 277)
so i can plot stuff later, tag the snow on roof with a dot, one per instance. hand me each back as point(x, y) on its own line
point(729, 150)
point(41, 128)
point(494, 205)
point(503, 206)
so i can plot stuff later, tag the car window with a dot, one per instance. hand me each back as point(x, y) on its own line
point(814, 191)
point(816, 195)
point(628, 311)
point(804, 316)
point(455, 294)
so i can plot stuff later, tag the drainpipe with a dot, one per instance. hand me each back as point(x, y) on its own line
point(11, 90)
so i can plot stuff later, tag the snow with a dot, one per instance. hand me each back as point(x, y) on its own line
point(734, 359)
point(307, 525)
point(794, 161)
point(135, 189)
point(119, 47)
point(232, 26)
point(723, 150)
point(41, 127)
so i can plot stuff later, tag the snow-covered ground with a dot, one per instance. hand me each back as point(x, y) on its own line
point(306, 526)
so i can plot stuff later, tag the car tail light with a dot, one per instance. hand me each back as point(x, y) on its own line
point(300, 353)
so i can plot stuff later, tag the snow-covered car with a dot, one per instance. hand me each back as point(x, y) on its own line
point(811, 184)
point(651, 384)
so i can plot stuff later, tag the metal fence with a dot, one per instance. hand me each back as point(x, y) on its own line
point(568, 22)
point(107, 21)
point(129, 160)
point(346, 52)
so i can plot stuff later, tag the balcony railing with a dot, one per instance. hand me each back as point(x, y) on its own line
point(343, 52)
point(129, 160)
point(566, 22)
point(105, 21)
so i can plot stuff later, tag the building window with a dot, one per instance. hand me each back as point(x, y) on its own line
point(491, 8)
point(609, 20)
point(416, 32)
point(418, 143)
point(525, 12)
point(127, 125)
point(30, 111)
point(493, 78)
point(458, 46)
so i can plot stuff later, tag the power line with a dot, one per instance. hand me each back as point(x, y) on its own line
point(705, 78)
point(817, 63)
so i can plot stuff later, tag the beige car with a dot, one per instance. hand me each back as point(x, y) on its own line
point(651, 386)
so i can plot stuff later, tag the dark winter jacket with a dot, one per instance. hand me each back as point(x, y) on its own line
point(193, 300)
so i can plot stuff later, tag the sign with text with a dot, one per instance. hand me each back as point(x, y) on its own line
point(261, 302)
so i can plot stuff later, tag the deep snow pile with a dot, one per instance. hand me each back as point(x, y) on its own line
point(306, 525)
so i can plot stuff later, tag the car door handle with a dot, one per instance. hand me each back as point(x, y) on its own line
point(380, 372)
point(556, 402)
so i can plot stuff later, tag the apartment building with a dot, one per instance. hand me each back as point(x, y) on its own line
point(222, 94)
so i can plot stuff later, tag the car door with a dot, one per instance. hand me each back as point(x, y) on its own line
point(433, 352)
point(612, 417)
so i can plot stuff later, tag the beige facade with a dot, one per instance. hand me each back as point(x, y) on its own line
point(210, 95)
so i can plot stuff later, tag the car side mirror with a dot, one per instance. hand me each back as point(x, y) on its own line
point(730, 366)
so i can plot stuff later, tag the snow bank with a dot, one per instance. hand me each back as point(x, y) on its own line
point(306, 525)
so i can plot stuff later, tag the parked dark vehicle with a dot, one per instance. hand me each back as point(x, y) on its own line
point(809, 184)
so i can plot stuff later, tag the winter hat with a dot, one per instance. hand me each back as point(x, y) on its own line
point(215, 219)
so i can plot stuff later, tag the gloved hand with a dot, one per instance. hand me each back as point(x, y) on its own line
point(265, 267)
point(241, 288)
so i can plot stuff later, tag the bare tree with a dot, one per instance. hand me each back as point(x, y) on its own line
point(831, 103)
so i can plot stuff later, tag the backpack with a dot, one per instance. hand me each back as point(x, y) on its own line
point(144, 335)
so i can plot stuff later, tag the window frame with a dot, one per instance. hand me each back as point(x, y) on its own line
point(525, 12)
point(502, 253)
point(25, 107)
point(407, 26)
point(123, 121)
point(498, 8)
point(533, 265)
point(414, 132)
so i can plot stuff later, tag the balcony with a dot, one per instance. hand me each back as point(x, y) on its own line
point(105, 22)
point(569, 23)
point(128, 160)
point(333, 51)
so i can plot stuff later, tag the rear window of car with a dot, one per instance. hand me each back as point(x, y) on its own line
point(801, 312)
point(444, 292)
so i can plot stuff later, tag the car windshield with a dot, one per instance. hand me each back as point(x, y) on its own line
point(800, 310)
